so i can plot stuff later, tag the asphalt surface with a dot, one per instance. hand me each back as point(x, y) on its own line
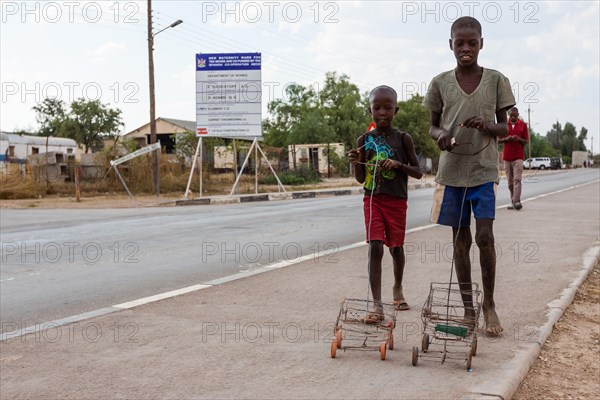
point(58, 263)
point(268, 335)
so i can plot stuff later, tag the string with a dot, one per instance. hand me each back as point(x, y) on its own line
point(489, 141)
point(369, 225)
point(455, 239)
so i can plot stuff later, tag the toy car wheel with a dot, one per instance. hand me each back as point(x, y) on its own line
point(415, 356)
point(391, 341)
point(425, 343)
point(382, 350)
point(334, 347)
point(338, 339)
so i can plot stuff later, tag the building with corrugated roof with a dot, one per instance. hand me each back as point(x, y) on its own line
point(165, 129)
point(16, 148)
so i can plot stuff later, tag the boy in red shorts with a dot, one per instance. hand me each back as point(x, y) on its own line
point(383, 160)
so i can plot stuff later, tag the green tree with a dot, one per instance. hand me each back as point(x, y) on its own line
point(50, 114)
point(286, 113)
point(344, 108)
point(312, 127)
point(185, 145)
point(541, 146)
point(338, 113)
point(413, 118)
point(335, 114)
point(553, 135)
point(581, 139)
point(87, 122)
point(568, 139)
point(90, 122)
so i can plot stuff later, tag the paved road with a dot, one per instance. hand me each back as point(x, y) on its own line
point(57, 263)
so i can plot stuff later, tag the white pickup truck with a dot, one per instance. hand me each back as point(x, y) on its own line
point(537, 163)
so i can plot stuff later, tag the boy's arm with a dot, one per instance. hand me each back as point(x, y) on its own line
point(499, 128)
point(412, 168)
point(514, 138)
point(357, 157)
point(525, 139)
point(504, 139)
point(520, 140)
point(441, 136)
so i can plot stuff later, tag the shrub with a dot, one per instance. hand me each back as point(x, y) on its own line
point(301, 176)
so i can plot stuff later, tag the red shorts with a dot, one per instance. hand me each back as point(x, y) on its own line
point(387, 217)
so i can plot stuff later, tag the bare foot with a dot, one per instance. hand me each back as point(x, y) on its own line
point(492, 323)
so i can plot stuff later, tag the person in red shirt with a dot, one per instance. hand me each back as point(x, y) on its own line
point(513, 155)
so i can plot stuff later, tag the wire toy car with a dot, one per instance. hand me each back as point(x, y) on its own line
point(447, 334)
point(352, 331)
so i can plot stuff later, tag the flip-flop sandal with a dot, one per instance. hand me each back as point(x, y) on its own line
point(401, 305)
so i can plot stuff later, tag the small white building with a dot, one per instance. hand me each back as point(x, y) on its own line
point(579, 157)
point(314, 155)
point(16, 148)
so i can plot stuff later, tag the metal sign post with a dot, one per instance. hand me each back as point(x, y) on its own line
point(256, 147)
point(144, 150)
point(201, 162)
point(187, 189)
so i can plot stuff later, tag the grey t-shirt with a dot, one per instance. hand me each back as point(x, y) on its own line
point(460, 167)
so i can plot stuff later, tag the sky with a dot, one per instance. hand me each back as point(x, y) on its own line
point(98, 50)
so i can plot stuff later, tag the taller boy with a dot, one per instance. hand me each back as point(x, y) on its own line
point(468, 112)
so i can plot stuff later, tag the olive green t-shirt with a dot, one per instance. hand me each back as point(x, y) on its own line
point(474, 161)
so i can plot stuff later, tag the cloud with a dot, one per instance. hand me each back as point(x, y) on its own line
point(108, 51)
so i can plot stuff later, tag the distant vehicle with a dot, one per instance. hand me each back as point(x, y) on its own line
point(537, 163)
point(556, 163)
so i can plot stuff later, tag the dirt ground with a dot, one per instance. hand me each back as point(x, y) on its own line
point(568, 366)
point(106, 201)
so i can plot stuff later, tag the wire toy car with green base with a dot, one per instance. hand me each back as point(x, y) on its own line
point(447, 335)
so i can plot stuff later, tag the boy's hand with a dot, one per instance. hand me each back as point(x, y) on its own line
point(477, 123)
point(354, 156)
point(389, 164)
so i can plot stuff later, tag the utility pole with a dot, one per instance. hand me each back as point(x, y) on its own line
point(153, 136)
point(529, 129)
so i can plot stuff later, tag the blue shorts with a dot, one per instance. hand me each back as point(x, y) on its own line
point(447, 201)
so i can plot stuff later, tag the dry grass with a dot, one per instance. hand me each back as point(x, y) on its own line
point(136, 173)
point(13, 186)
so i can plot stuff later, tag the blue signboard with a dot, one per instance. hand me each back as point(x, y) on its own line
point(226, 62)
point(228, 95)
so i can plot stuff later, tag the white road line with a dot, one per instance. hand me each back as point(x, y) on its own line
point(161, 296)
point(551, 193)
